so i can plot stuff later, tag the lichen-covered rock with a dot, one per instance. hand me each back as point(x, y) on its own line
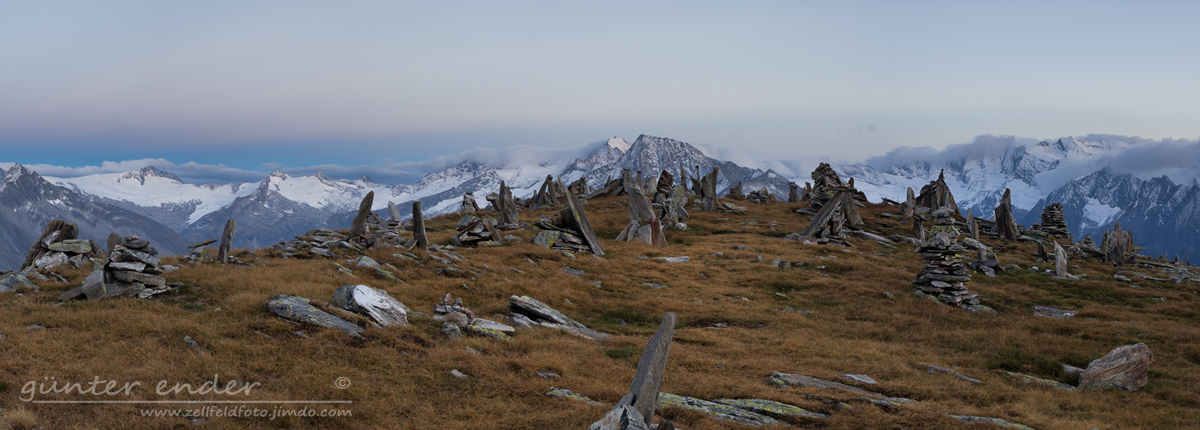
point(772, 408)
point(475, 328)
point(571, 395)
point(715, 410)
point(366, 263)
point(14, 281)
point(372, 302)
point(1126, 367)
point(299, 309)
point(621, 418)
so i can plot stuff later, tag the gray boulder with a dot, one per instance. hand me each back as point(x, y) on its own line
point(372, 302)
point(298, 309)
point(1126, 367)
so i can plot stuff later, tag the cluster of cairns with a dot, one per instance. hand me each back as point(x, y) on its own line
point(568, 230)
point(834, 205)
point(58, 245)
point(132, 269)
point(760, 196)
point(475, 231)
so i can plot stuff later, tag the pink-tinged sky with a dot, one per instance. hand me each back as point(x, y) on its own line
point(253, 85)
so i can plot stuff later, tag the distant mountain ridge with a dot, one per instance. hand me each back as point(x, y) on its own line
point(282, 205)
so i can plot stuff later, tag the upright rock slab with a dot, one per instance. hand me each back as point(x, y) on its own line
point(1006, 224)
point(419, 225)
point(708, 190)
point(793, 193)
point(506, 207)
point(576, 218)
point(358, 227)
point(394, 211)
point(1126, 367)
point(226, 241)
point(643, 392)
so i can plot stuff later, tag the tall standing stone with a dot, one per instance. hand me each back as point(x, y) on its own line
point(708, 190)
point(937, 195)
point(419, 225)
point(793, 192)
point(113, 240)
point(358, 227)
point(577, 219)
point(910, 204)
point(226, 241)
point(395, 211)
point(643, 392)
point(507, 207)
point(972, 226)
point(1060, 262)
point(1006, 224)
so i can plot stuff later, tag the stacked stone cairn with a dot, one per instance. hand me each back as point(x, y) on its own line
point(58, 245)
point(827, 183)
point(468, 203)
point(568, 230)
point(793, 193)
point(458, 320)
point(828, 225)
point(944, 274)
point(317, 242)
point(132, 270)
point(673, 213)
point(612, 188)
point(579, 187)
point(735, 192)
point(761, 196)
point(1118, 247)
point(1053, 223)
point(475, 231)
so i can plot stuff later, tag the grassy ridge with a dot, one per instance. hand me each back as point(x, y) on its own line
point(731, 335)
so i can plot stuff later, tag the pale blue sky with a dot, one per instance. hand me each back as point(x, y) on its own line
point(308, 83)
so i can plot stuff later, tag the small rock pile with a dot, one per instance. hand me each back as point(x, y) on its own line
point(468, 203)
point(1053, 223)
point(132, 270)
point(944, 273)
point(568, 230)
point(761, 196)
point(316, 242)
point(475, 231)
point(735, 192)
point(1118, 247)
point(58, 246)
point(457, 319)
point(936, 194)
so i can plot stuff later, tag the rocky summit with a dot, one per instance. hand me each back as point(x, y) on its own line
point(649, 301)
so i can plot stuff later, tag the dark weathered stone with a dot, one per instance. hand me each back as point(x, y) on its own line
point(506, 207)
point(226, 241)
point(55, 231)
point(1060, 261)
point(643, 393)
point(394, 211)
point(1006, 224)
point(910, 203)
point(708, 190)
point(937, 195)
point(115, 239)
point(793, 192)
point(575, 217)
point(419, 225)
point(972, 226)
point(144, 278)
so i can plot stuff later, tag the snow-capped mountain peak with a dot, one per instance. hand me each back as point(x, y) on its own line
point(149, 172)
point(617, 143)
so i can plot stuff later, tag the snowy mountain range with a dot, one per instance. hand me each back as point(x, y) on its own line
point(1068, 170)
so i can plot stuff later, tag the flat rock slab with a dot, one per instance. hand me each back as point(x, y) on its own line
point(771, 408)
point(716, 410)
point(1002, 423)
point(1126, 367)
point(860, 378)
point(536, 310)
point(563, 393)
point(933, 368)
point(372, 302)
point(1036, 380)
point(1046, 311)
point(784, 380)
point(299, 309)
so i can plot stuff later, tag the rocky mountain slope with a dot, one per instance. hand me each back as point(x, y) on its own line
point(28, 202)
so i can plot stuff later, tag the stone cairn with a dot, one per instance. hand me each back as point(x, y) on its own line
point(132, 270)
point(674, 214)
point(550, 194)
point(735, 192)
point(1053, 223)
point(612, 188)
point(1087, 242)
point(579, 187)
point(1118, 247)
point(59, 245)
point(568, 230)
point(475, 231)
point(644, 224)
point(468, 203)
point(827, 183)
point(761, 196)
point(944, 274)
point(793, 193)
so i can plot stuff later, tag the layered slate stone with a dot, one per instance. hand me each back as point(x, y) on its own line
point(301, 310)
point(1006, 223)
point(358, 227)
point(419, 225)
point(647, 381)
point(506, 207)
point(1126, 367)
point(372, 302)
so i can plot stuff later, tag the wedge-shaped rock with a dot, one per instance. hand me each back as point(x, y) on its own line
point(536, 310)
point(144, 278)
point(623, 417)
point(372, 302)
point(783, 380)
point(769, 408)
point(1126, 367)
point(298, 309)
point(643, 395)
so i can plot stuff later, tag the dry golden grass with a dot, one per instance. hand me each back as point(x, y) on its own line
point(399, 376)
